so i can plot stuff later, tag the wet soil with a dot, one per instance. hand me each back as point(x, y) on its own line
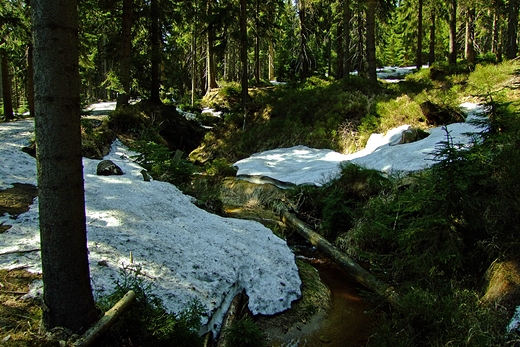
point(15, 201)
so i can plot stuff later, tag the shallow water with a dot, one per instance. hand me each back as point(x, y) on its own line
point(345, 324)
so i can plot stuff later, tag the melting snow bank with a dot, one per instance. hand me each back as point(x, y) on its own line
point(185, 252)
point(514, 324)
point(303, 165)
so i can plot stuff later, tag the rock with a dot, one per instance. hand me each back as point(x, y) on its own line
point(108, 168)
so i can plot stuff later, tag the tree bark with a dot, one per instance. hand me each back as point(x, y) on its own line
point(452, 59)
point(6, 87)
point(345, 262)
point(304, 58)
point(431, 55)
point(419, 35)
point(512, 28)
point(125, 63)
point(371, 40)
point(469, 51)
point(156, 51)
point(271, 61)
point(243, 51)
point(347, 14)
point(67, 294)
point(496, 32)
point(210, 54)
point(30, 79)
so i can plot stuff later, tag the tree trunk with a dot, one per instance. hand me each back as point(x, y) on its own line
point(341, 64)
point(257, 44)
point(30, 79)
point(361, 44)
point(431, 55)
point(371, 40)
point(193, 66)
point(512, 28)
point(210, 54)
point(346, 33)
point(271, 61)
point(156, 51)
point(304, 58)
point(496, 32)
point(125, 63)
point(452, 59)
point(469, 51)
point(243, 51)
point(345, 262)
point(67, 294)
point(6, 87)
point(419, 35)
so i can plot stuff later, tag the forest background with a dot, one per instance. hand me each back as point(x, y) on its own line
point(175, 52)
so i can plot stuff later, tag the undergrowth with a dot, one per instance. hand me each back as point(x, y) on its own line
point(148, 323)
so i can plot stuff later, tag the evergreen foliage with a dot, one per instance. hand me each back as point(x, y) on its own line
point(148, 323)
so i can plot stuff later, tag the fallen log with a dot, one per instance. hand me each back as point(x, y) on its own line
point(234, 313)
point(361, 275)
point(21, 251)
point(106, 321)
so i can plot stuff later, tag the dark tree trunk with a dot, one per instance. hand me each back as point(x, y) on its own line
point(30, 79)
point(431, 55)
point(512, 29)
point(243, 50)
point(304, 58)
point(257, 44)
point(346, 33)
point(67, 293)
point(156, 51)
point(496, 30)
point(371, 40)
point(210, 54)
point(360, 43)
point(469, 51)
point(6, 87)
point(452, 59)
point(126, 52)
point(341, 52)
point(419, 34)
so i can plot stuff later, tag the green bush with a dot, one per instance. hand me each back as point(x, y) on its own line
point(147, 323)
point(244, 333)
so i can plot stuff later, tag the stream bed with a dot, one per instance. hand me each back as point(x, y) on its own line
point(344, 324)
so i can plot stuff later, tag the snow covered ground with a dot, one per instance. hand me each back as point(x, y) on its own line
point(303, 165)
point(185, 253)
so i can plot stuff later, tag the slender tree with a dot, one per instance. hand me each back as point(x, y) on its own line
point(452, 59)
point(512, 29)
point(156, 50)
point(419, 34)
point(243, 51)
point(469, 51)
point(6, 86)
point(67, 293)
point(125, 62)
point(371, 39)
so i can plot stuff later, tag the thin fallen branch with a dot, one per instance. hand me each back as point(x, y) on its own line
point(361, 275)
point(21, 251)
point(106, 321)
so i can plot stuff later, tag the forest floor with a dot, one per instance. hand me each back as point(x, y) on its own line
point(19, 317)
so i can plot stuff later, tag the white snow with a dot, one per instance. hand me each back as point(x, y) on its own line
point(185, 253)
point(303, 165)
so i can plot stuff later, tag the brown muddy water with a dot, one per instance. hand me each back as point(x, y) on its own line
point(345, 324)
